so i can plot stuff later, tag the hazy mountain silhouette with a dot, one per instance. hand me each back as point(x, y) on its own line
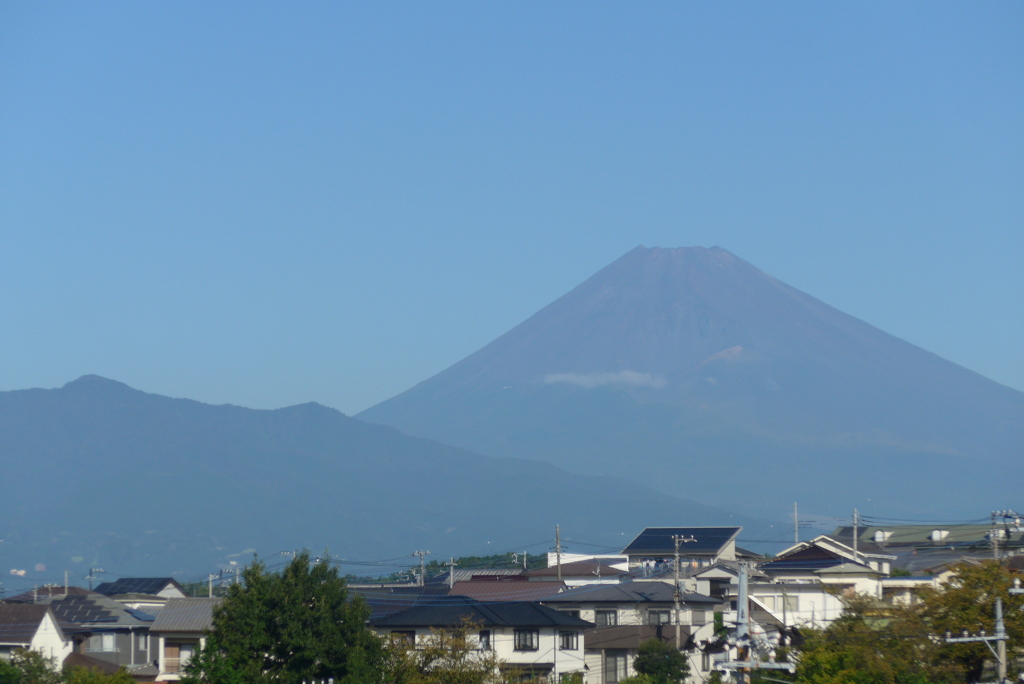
point(97, 474)
point(693, 371)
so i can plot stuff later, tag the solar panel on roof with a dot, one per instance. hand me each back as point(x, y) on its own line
point(659, 540)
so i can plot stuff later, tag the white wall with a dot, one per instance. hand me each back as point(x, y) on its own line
point(51, 642)
point(503, 645)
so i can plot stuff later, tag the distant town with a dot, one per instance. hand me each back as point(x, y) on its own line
point(570, 617)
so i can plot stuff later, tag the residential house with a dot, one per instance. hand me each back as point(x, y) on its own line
point(32, 627)
point(653, 552)
point(179, 631)
point(104, 629)
point(538, 641)
point(148, 594)
point(581, 572)
point(506, 588)
point(164, 587)
point(627, 614)
point(808, 581)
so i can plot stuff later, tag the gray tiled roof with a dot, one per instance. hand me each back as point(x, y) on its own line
point(506, 591)
point(627, 592)
point(453, 611)
point(186, 615)
point(91, 609)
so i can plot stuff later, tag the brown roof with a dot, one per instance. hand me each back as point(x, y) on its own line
point(579, 569)
point(490, 591)
point(629, 636)
point(19, 622)
point(90, 663)
point(46, 592)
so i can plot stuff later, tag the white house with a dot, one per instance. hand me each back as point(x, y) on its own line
point(35, 628)
point(628, 614)
point(529, 637)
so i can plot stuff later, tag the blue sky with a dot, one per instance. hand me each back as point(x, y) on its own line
point(267, 203)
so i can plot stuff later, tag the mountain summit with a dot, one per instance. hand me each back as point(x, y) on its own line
point(680, 367)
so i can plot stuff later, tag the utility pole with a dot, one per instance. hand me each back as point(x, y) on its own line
point(65, 583)
point(796, 525)
point(856, 534)
point(678, 539)
point(524, 561)
point(558, 551)
point(451, 572)
point(92, 575)
point(745, 660)
point(999, 637)
point(209, 579)
point(423, 571)
point(995, 538)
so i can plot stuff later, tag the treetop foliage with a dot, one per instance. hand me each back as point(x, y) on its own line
point(31, 667)
point(882, 643)
point(289, 627)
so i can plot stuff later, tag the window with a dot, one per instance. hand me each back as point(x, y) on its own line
point(614, 666)
point(571, 613)
point(705, 662)
point(187, 651)
point(568, 641)
point(606, 618)
point(659, 617)
point(527, 639)
point(485, 640)
point(143, 642)
point(792, 603)
point(102, 643)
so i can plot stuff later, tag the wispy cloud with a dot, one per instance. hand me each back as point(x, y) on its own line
point(592, 380)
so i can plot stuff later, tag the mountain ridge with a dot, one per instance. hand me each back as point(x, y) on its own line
point(142, 483)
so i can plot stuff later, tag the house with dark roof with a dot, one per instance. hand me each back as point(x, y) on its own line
point(104, 629)
point(164, 587)
point(32, 627)
point(627, 614)
point(503, 589)
point(526, 636)
point(825, 551)
point(580, 572)
point(654, 550)
point(180, 630)
point(808, 581)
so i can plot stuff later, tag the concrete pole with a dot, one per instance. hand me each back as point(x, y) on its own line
point(1000, 640)
point(558, 551)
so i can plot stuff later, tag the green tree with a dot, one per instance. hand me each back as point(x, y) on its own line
point(83, 675)
point(289, 627)
point(661, 662)
point(29, 667)
point(967, 602)
point(874, 643)
point(447, 656)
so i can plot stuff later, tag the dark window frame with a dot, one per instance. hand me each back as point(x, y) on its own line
point(526, 640)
